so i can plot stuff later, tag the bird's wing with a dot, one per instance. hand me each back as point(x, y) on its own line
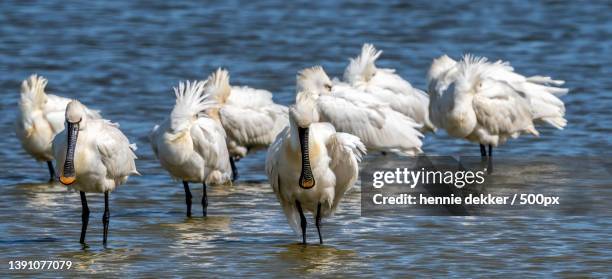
point(376, 124)
point(209, 141)
point(55, 111)
point(351, 109)
point(542, 93)
point(273, 158)
point(244, 96)
point(345, 151)
point(402, 97)
point(250, 117)
point(153, 137)
point(247, 126)
point(58, 145)
point(274, 164)
point(116, 152)
point(502, 110)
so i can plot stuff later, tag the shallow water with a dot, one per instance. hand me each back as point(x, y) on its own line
point(123, 58)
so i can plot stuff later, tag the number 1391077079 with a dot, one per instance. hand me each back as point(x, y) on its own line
point(40, 265)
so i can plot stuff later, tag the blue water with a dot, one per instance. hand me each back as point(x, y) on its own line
point(123, 58)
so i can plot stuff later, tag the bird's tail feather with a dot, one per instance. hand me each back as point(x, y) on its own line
point(543, 93)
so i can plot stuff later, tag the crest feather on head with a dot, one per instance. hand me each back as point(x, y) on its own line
point(218, 86)
point(191, 100)
point(363, 67)
point(311, 79)
point(472, 69)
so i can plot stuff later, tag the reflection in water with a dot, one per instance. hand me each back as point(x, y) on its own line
point(45, 195)
point(317, 259)
point(197, 232)
point(95, 261)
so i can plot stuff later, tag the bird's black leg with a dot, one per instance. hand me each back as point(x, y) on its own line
point(187, 197)
point(234, 169)
point(84, 217)
point(318, 222)
point(105, 218)
point(302, 221)
point(204, 199)
point(51, 171)
point(483, 151)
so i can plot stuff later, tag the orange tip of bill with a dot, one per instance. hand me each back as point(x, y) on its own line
point(307, 183)
point(67, 180)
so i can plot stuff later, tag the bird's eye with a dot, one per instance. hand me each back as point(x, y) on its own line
point(328, 87)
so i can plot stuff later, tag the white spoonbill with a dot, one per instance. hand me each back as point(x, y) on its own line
point(249, 116)
point(488, 102)
point(92, 156)
point(310, 166)
point(40, 118)
point(388, 86)
point(190, 145)
point(355, 112)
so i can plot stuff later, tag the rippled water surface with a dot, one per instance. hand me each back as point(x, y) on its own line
point(123, 58)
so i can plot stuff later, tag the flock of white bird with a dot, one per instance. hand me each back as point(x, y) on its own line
point(315, 146)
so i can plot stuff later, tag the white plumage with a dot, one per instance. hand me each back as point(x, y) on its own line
point(92, 155)
point(103, 157)
point(310, 166)
point(353, 111)
point(189, 144)
point(249, 116)
point(41, 117)
point(488, 102)
point(388, 86)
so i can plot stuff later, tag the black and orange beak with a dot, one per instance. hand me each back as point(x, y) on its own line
point(307, 180)
point(68, 174)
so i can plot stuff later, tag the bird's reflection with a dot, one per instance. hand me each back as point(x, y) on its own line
point(317, 259)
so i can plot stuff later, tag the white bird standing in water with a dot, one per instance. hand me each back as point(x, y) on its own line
point(190, 145)
point(488, 102)
point(92, 156)
point(355, 112)
point(249, 116)
point(388, 86)
point(40, 118)
point(310, 166)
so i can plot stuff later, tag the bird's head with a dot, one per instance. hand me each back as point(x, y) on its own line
point(304, 112)
point(191, 103)
point(302, 115)
point(76, 114)
point(472, 77)
point(76, 119)
point(314, 80)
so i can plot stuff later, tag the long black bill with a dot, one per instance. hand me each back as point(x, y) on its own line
point(68, 175)
point(307, 180)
